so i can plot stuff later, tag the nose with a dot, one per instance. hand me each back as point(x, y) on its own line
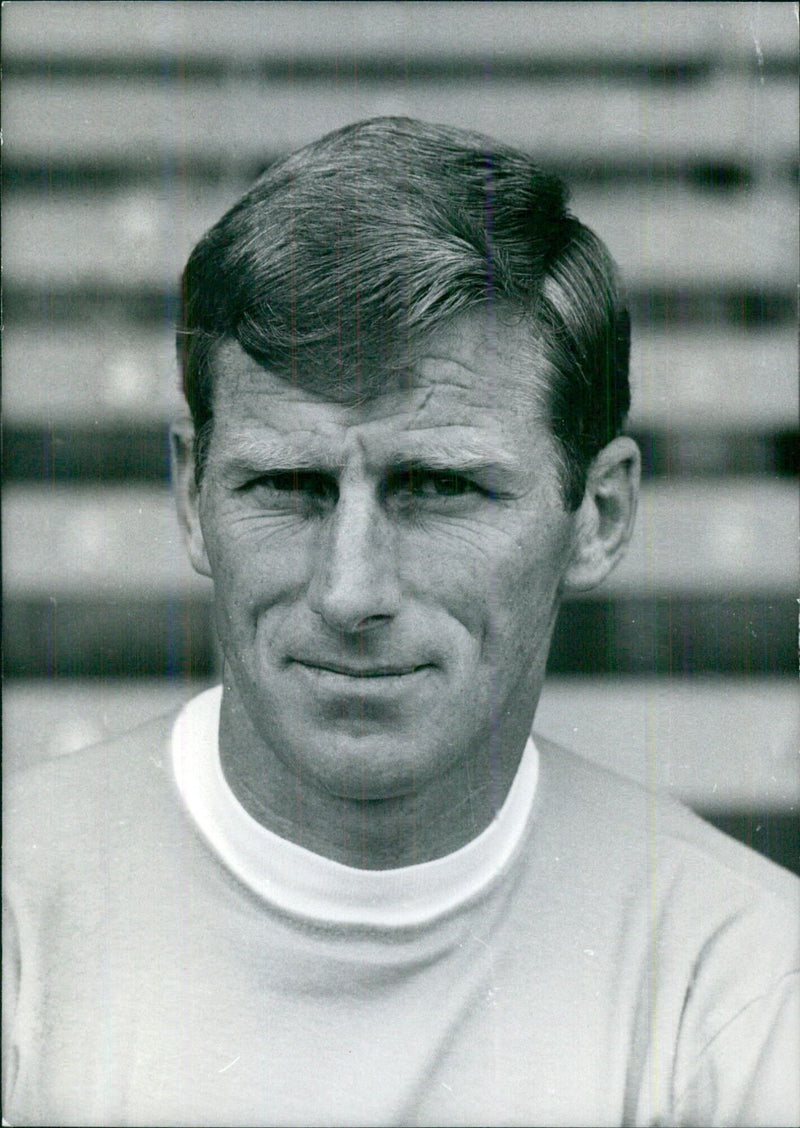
point(354, 586)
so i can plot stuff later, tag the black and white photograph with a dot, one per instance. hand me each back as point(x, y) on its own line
point(400, 563)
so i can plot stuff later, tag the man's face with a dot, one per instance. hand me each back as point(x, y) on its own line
point(387, 576)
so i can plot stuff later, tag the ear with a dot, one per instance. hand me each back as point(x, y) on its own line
point(604, 521)
point(187, 494)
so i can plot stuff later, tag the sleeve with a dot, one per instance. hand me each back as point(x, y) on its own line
point(11, 973)
point(748, 1074)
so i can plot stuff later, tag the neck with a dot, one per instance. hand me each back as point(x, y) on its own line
point(428, 823)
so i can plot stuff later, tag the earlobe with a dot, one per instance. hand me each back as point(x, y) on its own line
point(187, 494)
point(604, 521)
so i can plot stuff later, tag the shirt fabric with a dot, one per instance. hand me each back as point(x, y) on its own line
point(598, 955)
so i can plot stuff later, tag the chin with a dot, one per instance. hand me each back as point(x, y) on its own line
point(370, 767)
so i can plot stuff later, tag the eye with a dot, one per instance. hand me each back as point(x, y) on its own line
point(293, 488)
point(419, 483)
point(446, 483)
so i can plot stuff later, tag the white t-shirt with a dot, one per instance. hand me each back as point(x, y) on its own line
point(597, 956)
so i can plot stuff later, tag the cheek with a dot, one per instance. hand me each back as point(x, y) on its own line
point(252, 559)
point(500, 582)
point(525, 584)
point(450, 565)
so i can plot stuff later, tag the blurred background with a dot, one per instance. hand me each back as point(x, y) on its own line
point(130, 127)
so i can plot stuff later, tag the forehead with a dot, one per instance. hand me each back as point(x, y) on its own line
point(480, 376)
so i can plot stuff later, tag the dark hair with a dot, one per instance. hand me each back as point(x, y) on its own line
point(344, 253)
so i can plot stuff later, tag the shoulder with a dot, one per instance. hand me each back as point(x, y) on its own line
point(626, 827)
point(714, 926)
point(94, 769)
point(60, 813)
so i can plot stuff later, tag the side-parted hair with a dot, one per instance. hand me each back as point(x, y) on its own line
point(342, 256)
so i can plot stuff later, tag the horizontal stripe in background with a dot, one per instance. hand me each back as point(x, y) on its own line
point(667, 237)
point(121, 451)
point(445, 32)
point(706, 538)
point(112, 373)
point(69, 635)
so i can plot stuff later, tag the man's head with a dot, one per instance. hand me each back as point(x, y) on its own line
point(344, 255)
point(407, 367)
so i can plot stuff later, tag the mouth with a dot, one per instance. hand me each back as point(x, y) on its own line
point(360, 673)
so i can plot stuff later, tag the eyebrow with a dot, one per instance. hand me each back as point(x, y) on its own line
point(453, 458)
point(247, 454)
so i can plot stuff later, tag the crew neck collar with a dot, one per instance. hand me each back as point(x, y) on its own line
point(309, 885)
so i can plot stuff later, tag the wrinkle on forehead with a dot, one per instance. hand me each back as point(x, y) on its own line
point(464, 354)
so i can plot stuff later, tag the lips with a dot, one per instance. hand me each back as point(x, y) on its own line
point(335, 667)
point(341, 669)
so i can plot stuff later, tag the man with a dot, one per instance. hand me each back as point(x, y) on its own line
point(349, 888)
